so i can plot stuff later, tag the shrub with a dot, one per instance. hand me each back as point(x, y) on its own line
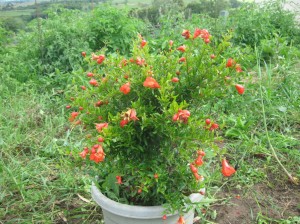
point(4, 38)
point(140, 118)
point(50, 46)
point(112, 28)
point(253, 23)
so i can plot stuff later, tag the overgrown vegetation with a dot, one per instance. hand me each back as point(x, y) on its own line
point(42, 181)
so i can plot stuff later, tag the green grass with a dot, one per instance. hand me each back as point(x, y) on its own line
point(16, 13)
point(40, 182)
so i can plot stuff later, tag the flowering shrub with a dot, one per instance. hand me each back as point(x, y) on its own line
point(144, 132)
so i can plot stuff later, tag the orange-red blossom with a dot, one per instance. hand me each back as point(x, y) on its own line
point(227, 170)
point(127, 116)
point(181, 115)
point(151, 83)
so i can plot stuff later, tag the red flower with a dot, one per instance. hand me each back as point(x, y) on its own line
point(123, 123)
point(143, 43)
point(193, 168)
point(197, 33)
point(182, 48)
point(207, 121)
point(99, 103)
point(89, 74)
point(212, 56)
point(240, 89)
point(181, 220)
point(98, 157)
point(151, 83)
point(83, 54)
point(125, 88)
point(77, 122)
point(207, 41)
point(214, 126)
point(140, 61)
point(227, 170)
point(73, 116)
point(84, 152)
point(129, 115)
point(175, 79)
point(199, 161)
point(99, 148)
point(230, 63)
point(100, 139)
point(186, 34)
point(201, 153)
point(119, 179)
point(100, 59)
point(123, 63)
point(155, 176)
point(132, 115)
point(205, 35)
point(68, 107)
point(93, 82)
point(83, 87)
point(171, 43)
point(238, 68)
point(100, 126)
point(198, 177)
point(95, 57)
point(182, 59)
point(182, 115)
point(164, 217)
point(175, 117)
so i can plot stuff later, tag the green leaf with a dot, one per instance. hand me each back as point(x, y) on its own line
point(110, 184)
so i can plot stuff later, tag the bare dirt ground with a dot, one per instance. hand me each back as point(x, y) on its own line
point(272, 202)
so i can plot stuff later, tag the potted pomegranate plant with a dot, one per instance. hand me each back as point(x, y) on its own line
point(144, 134)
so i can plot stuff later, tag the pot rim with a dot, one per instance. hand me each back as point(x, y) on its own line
point(134, 211)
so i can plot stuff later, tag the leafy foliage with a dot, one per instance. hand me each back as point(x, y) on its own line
point(112, 28)
point(140, 107)
point(250, 30)
point(4, 38)
point(53, 45)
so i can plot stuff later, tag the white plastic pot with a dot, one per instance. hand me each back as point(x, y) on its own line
point(117, 213)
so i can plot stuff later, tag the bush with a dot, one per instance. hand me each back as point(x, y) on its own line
point(158, 10)
point(53, 45)
point(253, 23)
point(112, 28)
point(211, 8)
point(4, 38)
point(141, 118)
